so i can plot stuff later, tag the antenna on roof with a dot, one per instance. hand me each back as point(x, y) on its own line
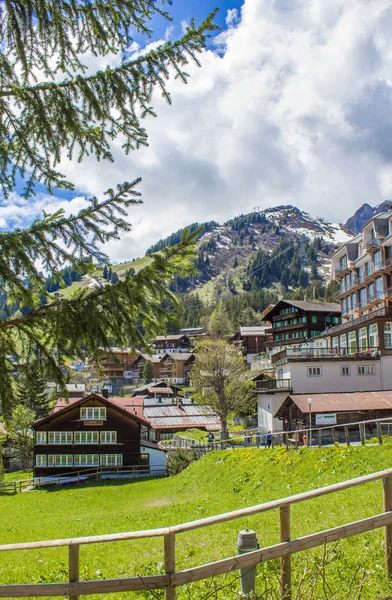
point(389, 205)
point(256, 209)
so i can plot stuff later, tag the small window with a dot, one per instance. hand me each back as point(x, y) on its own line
point(40, 460)
point(346, 370)
point(92, 414)
point(388, 335)
point(40, 438)
point(108, 437)
point(314, 371)
point(366, 370)
point(314, 319)
point(145, 460)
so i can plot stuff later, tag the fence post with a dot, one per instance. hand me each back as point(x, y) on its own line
point(74, 567)
point(361, 433)
point(285, 561)
point(347, 434)
point(170, 562)
point(319, 438)
point(333, 435)
point(387, 486)
point(379, 433)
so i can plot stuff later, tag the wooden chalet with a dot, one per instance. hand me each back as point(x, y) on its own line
point(333, 409)
point(91, 432)
point(172, 343)
point(295, 322)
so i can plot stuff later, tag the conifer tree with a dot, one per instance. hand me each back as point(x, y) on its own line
point(148, 372)
point(31, 391)
point(52, 108)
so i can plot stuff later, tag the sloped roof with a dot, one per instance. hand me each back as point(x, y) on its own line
point(122, 404)
point(180, 356)
point(162, 338)
point(182, 417)
point(341, 402)
point(259, 330)
point(329, 307)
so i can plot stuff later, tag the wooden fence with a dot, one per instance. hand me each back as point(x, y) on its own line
point(82, 476)
point(172, 579)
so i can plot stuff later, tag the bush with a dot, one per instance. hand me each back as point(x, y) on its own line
point(179, 460)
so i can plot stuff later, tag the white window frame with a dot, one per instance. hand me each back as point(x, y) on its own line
point(41, 460)
point(352, 342)
point(86, 437)
point(108, 437)
point(345, 370)
point(93, 413)
point(373, 336)
point(315, 372)
point(111, 460)
point(343, 341)
point(86, 460)
point(60, 460)
point(60, 438)
point(388, 335)
point(366, 370)
point(40, 437)
point(335, 342)
point(363, 338)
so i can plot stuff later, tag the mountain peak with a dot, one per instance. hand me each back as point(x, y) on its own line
point(363, 214)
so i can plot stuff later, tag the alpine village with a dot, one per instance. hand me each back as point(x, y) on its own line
point(195, 300)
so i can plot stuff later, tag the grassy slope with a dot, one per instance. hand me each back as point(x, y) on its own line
point(119, 269)
point(219, 482)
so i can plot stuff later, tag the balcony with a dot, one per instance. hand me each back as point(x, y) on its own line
point(290, 341)
point(317, 354)
point(289, 315)
point(288, 327)
point(273, 385)
point(385, 311)
point(342, 270)
point(373, 245)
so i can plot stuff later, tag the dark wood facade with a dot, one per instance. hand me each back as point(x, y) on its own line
point(172, 343)
point(296, 322)
point(72, 438)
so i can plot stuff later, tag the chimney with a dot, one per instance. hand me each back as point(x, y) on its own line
point(105, 393)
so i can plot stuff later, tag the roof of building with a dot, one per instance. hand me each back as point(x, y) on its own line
point(160, 390)
point(314, 306)
point(162, 338)
point(154, 445)
point(259, 330)
point(75, 387)
point(182, 417)
point(150, 401)
point(179, 356)
point(154, 358)
point(122, 404)
point(341, 402)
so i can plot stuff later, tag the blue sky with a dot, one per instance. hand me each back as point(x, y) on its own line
point(184, 10)
point(292, 105)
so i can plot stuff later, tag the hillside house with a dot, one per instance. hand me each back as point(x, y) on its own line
point(295, 322)
point(251, 340)
point(92, 432)
point(172, 343)
point(117, 366)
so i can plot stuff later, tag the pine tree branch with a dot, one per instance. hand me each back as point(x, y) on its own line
point(57, 240)
point(84, 113)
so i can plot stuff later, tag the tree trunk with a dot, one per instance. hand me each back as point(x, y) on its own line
point(225, 434)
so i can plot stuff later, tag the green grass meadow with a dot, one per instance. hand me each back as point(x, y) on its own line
point(220, 482)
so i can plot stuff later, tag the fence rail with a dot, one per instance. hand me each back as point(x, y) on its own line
point(82, 476)
point(173, 579)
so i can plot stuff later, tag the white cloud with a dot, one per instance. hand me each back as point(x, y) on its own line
point(296, 107)
point(232, 17)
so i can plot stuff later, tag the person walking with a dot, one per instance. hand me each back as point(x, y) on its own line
point(268, 439)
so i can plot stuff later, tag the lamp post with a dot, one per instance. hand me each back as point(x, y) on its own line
point(310, 421)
